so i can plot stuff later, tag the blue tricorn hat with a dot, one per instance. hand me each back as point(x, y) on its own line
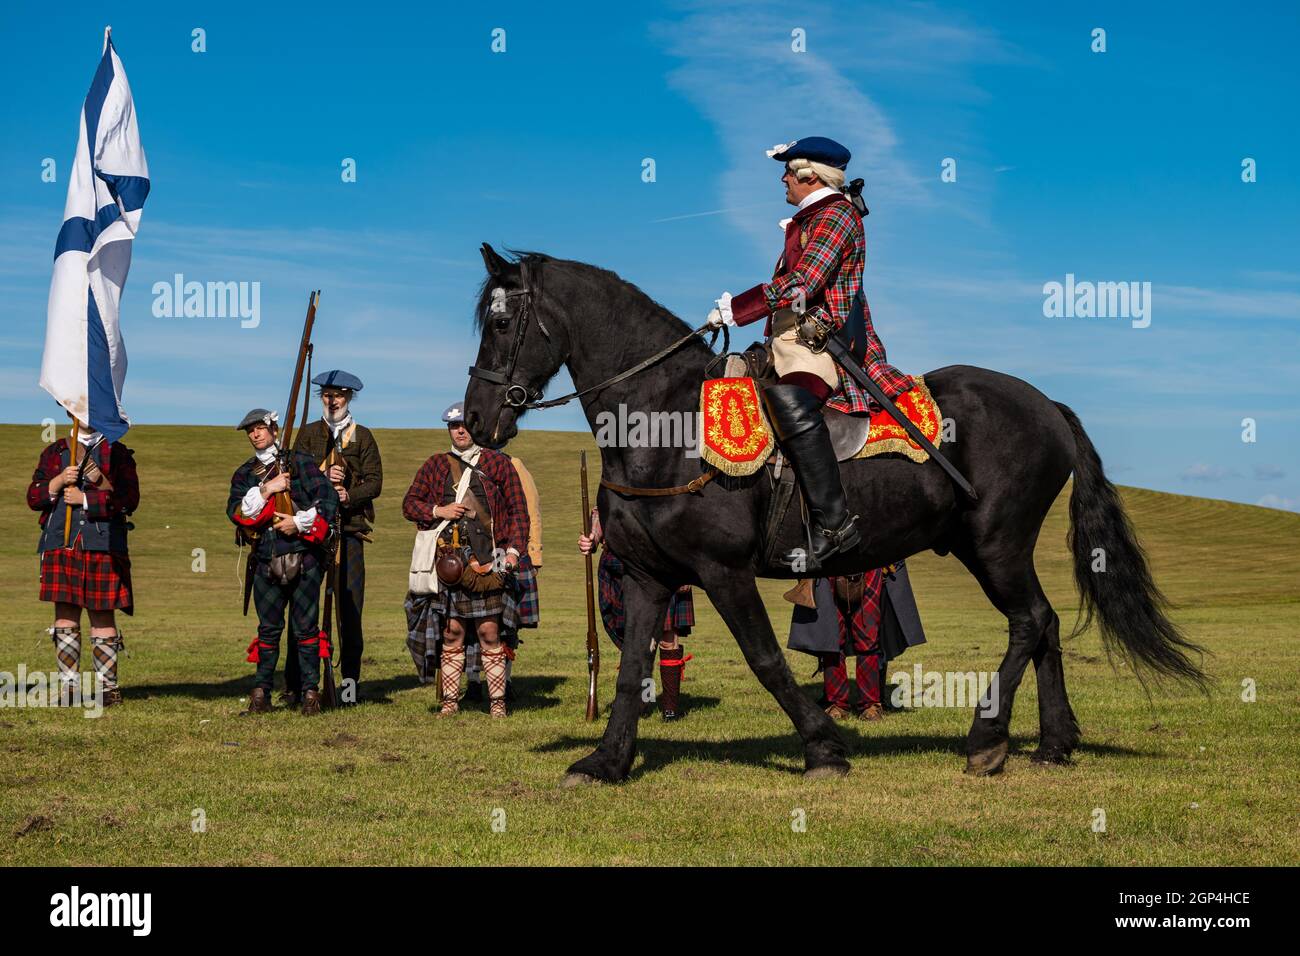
point(337, 378)
point(455, 413)
point(817, 149)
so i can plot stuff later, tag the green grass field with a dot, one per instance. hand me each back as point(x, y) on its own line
point(1182, 778)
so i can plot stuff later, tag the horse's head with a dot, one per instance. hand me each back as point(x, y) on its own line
point(518, 354)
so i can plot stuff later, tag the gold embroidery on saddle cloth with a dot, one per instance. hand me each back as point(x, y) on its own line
point(886, 435)
point(735, 437)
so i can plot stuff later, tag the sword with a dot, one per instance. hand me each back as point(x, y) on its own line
point(843, 353)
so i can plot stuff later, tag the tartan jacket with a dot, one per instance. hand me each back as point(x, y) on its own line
point(105, 510)
point(505, 493)
point(365, 470)
point(308, 488)
point(825, 252)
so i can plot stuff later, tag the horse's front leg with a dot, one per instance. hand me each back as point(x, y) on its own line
point(645, 604)
point(735, 596)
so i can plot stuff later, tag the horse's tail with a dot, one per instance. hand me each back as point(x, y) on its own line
point(1115, 584)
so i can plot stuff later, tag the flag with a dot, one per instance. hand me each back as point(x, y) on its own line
point(84, 365)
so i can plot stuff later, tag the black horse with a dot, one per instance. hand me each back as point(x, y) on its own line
point(1016, 446)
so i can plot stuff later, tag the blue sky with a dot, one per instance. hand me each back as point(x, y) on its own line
point(1115, 166)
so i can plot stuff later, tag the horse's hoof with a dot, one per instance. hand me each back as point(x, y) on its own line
point(574, 780)
point(1052, 757)
point(826, 771)
point(985, 763)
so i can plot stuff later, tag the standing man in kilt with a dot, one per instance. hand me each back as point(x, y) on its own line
point(472, 495)
point(358, 482)
point(288, 554)
point(85, 499)
point(677, 624)
point(812, 292)
point(523, 604)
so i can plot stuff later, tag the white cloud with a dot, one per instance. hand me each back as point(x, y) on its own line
point(1277, 501)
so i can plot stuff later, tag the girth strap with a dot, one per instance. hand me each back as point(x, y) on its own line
point(692, 486)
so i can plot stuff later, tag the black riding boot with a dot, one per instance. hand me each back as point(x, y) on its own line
point(802, 434)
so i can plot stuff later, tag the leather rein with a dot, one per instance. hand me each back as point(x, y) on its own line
point(523, 397)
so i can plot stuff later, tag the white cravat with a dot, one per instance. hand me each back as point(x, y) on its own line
point(336, 428)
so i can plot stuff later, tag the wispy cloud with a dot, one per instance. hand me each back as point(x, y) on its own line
point(1203, 472)
point(1277, 501)
point(1269, 472)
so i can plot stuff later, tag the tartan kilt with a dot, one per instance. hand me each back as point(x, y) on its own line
point(522, 606)
point(681, 608)
point(98, 580)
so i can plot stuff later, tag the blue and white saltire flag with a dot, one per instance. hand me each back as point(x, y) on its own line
point(85, 360)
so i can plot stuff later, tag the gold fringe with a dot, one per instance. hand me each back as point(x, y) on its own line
point(904, 446)
point(738, 469)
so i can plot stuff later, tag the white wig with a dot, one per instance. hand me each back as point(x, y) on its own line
point(806, 169)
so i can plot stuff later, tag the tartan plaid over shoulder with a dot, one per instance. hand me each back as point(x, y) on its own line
point(506, 498)
point(825, 253)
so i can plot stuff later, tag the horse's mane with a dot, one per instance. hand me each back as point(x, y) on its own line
point(632, 303)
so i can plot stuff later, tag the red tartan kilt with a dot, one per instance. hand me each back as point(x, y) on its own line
point(98, 580)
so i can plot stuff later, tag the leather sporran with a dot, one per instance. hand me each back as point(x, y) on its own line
point(449, 565)
point(285, 568)
point(848, 588)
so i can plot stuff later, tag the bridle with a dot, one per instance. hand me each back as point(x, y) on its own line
point(521, 396)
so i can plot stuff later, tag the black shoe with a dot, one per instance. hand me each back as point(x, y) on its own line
point(804, 438)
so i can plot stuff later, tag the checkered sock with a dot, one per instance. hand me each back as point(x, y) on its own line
point(104, 650)
point(672, 661)
point(67, 651)
point(494, 669)
point(835, 676)
point(453, 663)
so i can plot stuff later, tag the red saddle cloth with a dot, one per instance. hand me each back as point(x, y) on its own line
point(886, 435)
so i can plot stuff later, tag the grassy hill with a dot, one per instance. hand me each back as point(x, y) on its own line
point(1182, 778)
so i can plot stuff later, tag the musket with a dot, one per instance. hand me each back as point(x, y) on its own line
point(332, 612)
point(283, 503)
point(593, 645)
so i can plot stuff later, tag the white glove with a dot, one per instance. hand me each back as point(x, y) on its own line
point(722, 313)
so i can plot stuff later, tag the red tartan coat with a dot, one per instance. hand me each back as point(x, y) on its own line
point(505, 493)
point(101, 504)
point(825, 252)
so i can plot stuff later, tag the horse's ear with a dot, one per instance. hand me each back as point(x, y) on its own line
point(496, 266)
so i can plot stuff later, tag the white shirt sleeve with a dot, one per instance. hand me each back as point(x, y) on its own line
point(304, 520)
point(253, 502)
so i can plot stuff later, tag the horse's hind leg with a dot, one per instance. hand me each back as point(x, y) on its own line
point(1012, 585)
point(737, 600)
point(1058, 729)
point(645, 602)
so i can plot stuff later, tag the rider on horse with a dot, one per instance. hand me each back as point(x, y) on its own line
point(815, 283)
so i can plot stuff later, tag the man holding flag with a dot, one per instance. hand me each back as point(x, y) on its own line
point(85, 487)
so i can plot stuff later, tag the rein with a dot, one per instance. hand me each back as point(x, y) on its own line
point(523, 397)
